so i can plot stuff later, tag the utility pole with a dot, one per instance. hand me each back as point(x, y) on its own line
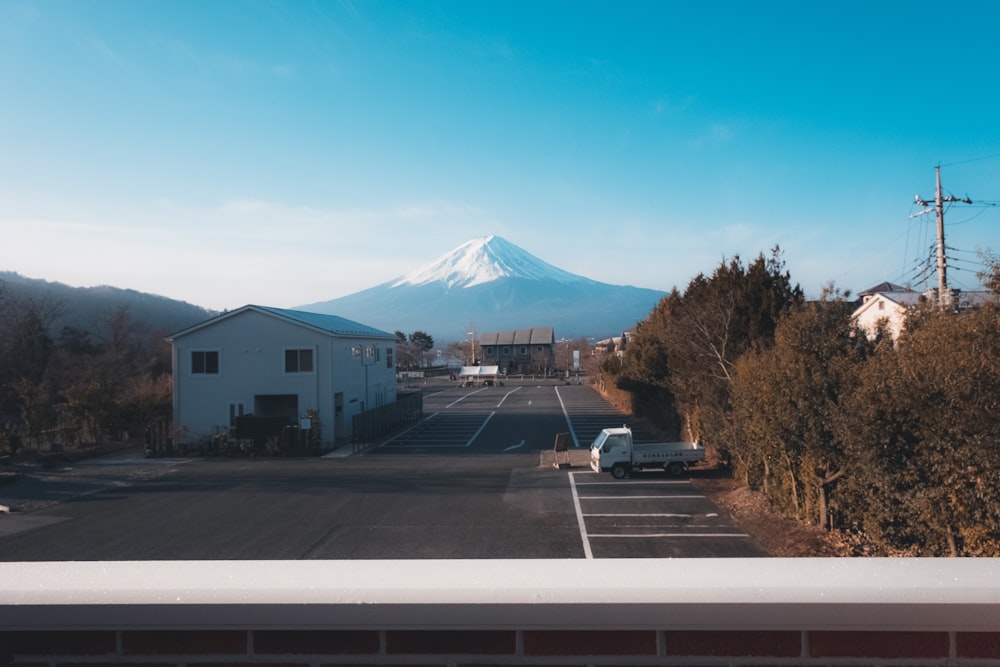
point(944, 296)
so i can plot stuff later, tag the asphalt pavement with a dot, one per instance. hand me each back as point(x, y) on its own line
point(477, 478)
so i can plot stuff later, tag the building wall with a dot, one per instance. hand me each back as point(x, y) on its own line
point(877, 309)
point(520, 358)
point(364, 372)
point(251, 361)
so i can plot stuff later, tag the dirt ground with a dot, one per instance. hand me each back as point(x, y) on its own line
point(781, 536)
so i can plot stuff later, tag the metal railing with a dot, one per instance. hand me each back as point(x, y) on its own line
point(379, 423)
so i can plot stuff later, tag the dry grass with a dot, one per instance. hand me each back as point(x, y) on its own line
point(781, 536)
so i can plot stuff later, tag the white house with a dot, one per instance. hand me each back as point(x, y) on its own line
point(614, 345)
point(888, 305)
point(271, 362)
point(885, 305)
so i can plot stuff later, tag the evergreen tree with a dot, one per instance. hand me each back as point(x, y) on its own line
point(788, 400)
point(925, 433)
point(691, 342)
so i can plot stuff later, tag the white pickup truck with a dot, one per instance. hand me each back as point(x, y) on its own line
point(613, 451)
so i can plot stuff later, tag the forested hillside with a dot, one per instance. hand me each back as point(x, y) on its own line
point(86, 307)
point(896, 441)
point(83, 366)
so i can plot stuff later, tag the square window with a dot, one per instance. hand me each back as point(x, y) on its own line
point(205, 362)
point(299, 361)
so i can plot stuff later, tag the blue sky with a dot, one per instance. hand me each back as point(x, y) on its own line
point(227, 153)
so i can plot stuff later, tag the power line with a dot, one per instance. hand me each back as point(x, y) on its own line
point(974, 159)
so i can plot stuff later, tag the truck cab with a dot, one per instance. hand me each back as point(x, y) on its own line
point(612, 451)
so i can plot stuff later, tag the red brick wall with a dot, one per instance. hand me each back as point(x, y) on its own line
point(468, 648)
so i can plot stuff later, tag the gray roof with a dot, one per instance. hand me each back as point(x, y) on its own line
point(533, 336)
point(908, 298)
point(883, 288)
point(331, 324)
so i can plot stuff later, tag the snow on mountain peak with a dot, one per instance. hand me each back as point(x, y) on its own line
point(484, 260)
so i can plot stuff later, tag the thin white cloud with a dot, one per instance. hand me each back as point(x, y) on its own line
point(669, 105)
point(721, 132)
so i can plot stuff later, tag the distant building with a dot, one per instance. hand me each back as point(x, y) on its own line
point(614, 345)
point(886, 306)
point(279, 364)
point(520, 350)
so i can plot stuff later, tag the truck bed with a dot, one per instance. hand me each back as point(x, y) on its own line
point(661, 451)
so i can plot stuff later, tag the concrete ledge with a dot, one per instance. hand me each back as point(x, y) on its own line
point(706, 594)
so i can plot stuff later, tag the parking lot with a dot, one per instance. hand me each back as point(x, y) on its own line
point(474, 479)
point(650, 515)
point(528, 415)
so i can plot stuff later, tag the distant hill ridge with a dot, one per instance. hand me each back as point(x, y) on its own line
point(487, 284)
point(88, 307)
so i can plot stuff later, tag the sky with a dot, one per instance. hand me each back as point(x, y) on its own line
point(284, 153)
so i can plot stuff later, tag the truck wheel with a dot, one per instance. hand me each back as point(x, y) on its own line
point(674, 468)
point(618, 471)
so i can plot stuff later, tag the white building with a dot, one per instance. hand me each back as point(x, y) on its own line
point(887, 305)
point(271, 362)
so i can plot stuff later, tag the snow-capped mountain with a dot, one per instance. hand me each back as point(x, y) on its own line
point(484, 260)
point(489, 284)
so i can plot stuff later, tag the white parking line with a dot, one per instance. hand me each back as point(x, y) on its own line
point(569, 422)
point(632, 482)
point(513, 447)
point(690, 535)
point(506, 395)
point(404, 432)
point(464, 396)
point(476, 434)
point(638, 497)
point(587, 553)
point(586, 537)
point(667, 514)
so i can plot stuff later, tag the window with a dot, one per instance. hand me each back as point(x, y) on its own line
point(299, 361)
point(205, 362)
point(524, 350)
point(613, 441)
point(388, 357)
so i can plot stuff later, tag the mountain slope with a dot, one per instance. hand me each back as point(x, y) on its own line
point(490, 284)
point(88, 308)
